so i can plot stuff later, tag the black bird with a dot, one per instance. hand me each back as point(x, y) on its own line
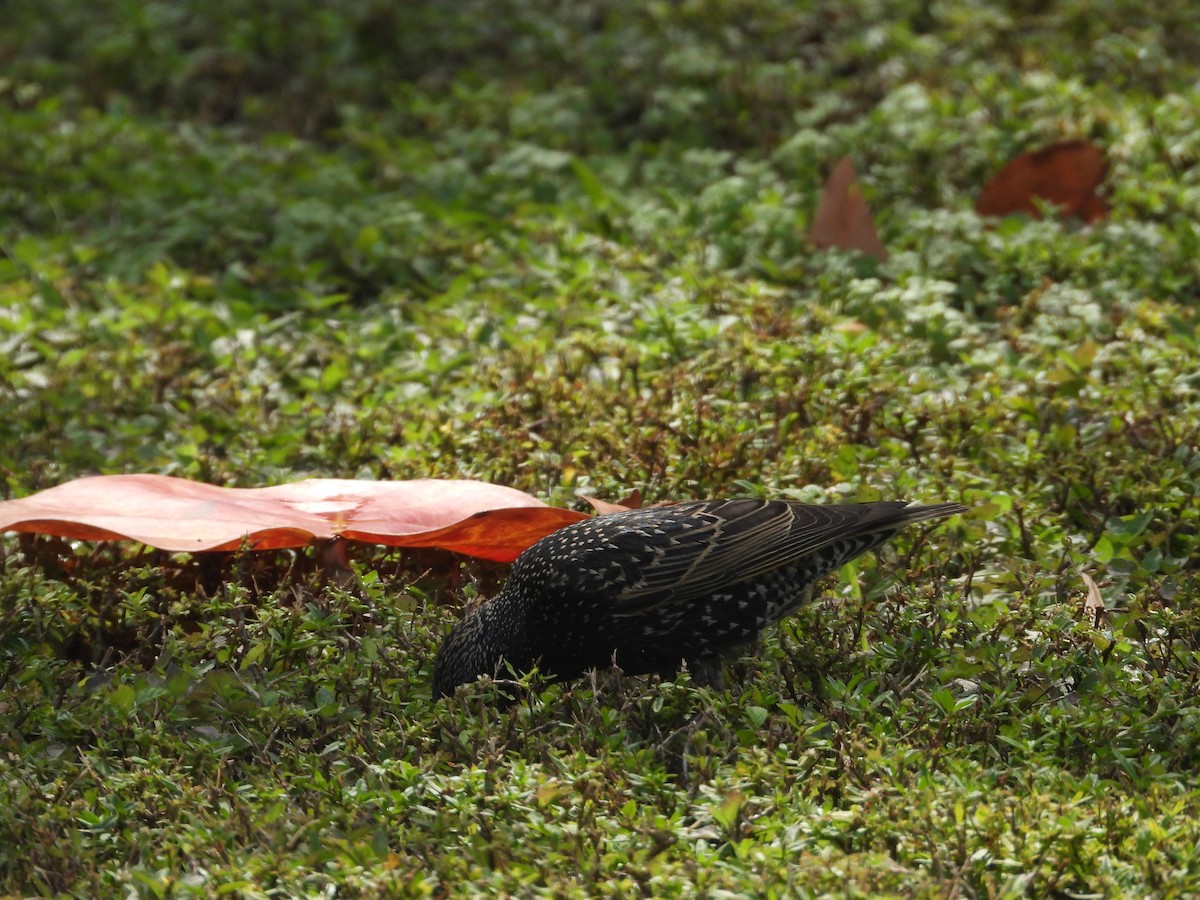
point(650, 588)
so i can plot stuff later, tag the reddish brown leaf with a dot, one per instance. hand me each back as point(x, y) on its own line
point(498, 535)
point(633, 501)
point(843, 219)
point(176, 514)
point(1065, 175)
point(1093, 209)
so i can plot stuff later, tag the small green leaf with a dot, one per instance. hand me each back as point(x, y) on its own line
point(122, 699)
point(253, 655)
point(757, 715)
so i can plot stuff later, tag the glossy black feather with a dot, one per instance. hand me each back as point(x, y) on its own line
point(648, 589)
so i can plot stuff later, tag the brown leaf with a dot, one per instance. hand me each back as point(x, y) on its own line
point(1065, 175)
point(843, 219)
point(633, 501)
point(473, 517)
point(498, 535)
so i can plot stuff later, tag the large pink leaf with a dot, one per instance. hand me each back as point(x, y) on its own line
point(485, 520)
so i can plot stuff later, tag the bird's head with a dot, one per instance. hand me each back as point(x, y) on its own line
point(467, 653)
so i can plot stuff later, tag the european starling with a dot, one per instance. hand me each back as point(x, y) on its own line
point(650, 588)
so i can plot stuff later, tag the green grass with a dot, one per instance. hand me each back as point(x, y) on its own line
point(565, 251)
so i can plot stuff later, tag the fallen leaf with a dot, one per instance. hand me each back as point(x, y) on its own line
point(843, 219)
point(633, 501)
point(489, 521)
point(498, 535)
point(1065, 175)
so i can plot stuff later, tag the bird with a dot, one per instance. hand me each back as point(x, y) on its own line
point(648, 590)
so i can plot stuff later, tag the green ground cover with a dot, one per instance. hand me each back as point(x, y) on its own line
point(565, 249)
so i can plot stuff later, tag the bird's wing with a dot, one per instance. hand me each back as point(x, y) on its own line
point(706, 546)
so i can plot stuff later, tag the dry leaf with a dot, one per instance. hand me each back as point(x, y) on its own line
point(1065, 175)
point(633, 501)
point(498, 535)
point(1093, 603)
point(843, 219)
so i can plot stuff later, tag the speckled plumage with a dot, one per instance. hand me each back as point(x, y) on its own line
point(650, 588)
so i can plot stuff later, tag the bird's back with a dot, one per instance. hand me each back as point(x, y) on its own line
point(649, 588)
